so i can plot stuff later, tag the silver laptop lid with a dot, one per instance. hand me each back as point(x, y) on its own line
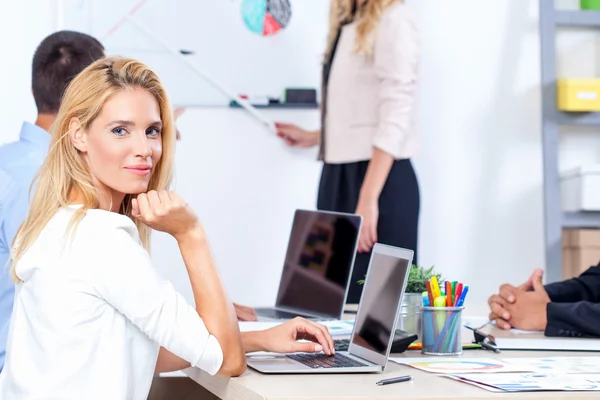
point(380, 301)
point(318, 263)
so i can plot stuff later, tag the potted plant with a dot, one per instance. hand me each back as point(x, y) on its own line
point(417, 277)
point(410, 310)
point(410, 318)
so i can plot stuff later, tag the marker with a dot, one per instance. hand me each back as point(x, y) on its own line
point(430, 294)
point(425, 296)
point(448, 294)
point(394, 380)
point(461, 300)
point(435, 286)
point(459, 289)
point(440, 301)
point(453, 291)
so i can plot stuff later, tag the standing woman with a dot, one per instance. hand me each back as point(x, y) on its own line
point(368, 124)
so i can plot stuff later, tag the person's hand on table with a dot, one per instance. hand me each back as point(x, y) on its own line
point(500, 304)
point(528, 311)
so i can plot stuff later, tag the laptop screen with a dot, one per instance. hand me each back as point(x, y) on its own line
point(319, 262)
point(379, 304)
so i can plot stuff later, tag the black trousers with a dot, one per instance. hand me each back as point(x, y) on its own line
point(399, 205)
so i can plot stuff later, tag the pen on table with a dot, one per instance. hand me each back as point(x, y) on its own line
point(394, 380)
point(483, 339)
point(488, 346)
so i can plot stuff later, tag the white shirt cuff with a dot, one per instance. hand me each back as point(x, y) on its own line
point(212, 357)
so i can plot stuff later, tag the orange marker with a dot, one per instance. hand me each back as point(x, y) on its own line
point(429, 293)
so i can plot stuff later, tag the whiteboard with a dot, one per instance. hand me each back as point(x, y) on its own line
point(223, 46)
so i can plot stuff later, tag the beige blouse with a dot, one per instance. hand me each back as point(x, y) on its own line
point(372, 100)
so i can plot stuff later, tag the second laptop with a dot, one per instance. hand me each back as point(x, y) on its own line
point(317, 267)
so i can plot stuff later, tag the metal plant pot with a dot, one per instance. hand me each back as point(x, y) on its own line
point(410, 318)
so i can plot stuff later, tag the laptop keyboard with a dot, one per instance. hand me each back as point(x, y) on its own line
point(341, 344)
point(325, 361)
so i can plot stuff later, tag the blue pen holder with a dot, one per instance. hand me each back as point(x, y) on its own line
point(441, 334)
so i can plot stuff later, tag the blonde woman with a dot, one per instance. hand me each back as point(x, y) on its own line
point(368, 127)
point(92, 318)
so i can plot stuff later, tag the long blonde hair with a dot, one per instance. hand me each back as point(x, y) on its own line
point(368, 19)
point(64, 171)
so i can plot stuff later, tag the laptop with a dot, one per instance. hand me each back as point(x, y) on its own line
point(317, 267)
point(373, 331)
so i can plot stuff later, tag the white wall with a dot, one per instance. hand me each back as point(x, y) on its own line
point(24, 24)
point(480, 164)
point(479, 167)
point(244, 185)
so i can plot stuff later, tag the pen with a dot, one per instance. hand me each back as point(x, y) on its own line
point(394, 380)
point(488, 346)
point(486, 341)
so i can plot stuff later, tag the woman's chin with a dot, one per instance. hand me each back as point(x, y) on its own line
point(138, 190)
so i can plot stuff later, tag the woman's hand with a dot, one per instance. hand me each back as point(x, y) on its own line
point(296, 136)
point(285, 338)
point(369, 210)
point(244, 313)
point(165, 211)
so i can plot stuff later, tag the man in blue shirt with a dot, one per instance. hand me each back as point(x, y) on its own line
point(57, 60)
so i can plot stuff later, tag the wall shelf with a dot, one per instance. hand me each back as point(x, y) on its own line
point(581, 220)
point(555, 220)
point(578, 119)
point(582, 19)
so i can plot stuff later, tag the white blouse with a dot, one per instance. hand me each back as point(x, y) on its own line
point(372, 100)
point(91, 314)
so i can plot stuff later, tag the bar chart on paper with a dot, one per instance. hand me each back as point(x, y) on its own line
point(266, 17)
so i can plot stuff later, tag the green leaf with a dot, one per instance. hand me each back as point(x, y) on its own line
point(418, 276)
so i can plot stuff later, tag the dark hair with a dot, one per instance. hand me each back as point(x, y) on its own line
point(57, 60)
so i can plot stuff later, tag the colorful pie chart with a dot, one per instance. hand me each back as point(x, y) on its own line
point(458, 365)
point(266, 17)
